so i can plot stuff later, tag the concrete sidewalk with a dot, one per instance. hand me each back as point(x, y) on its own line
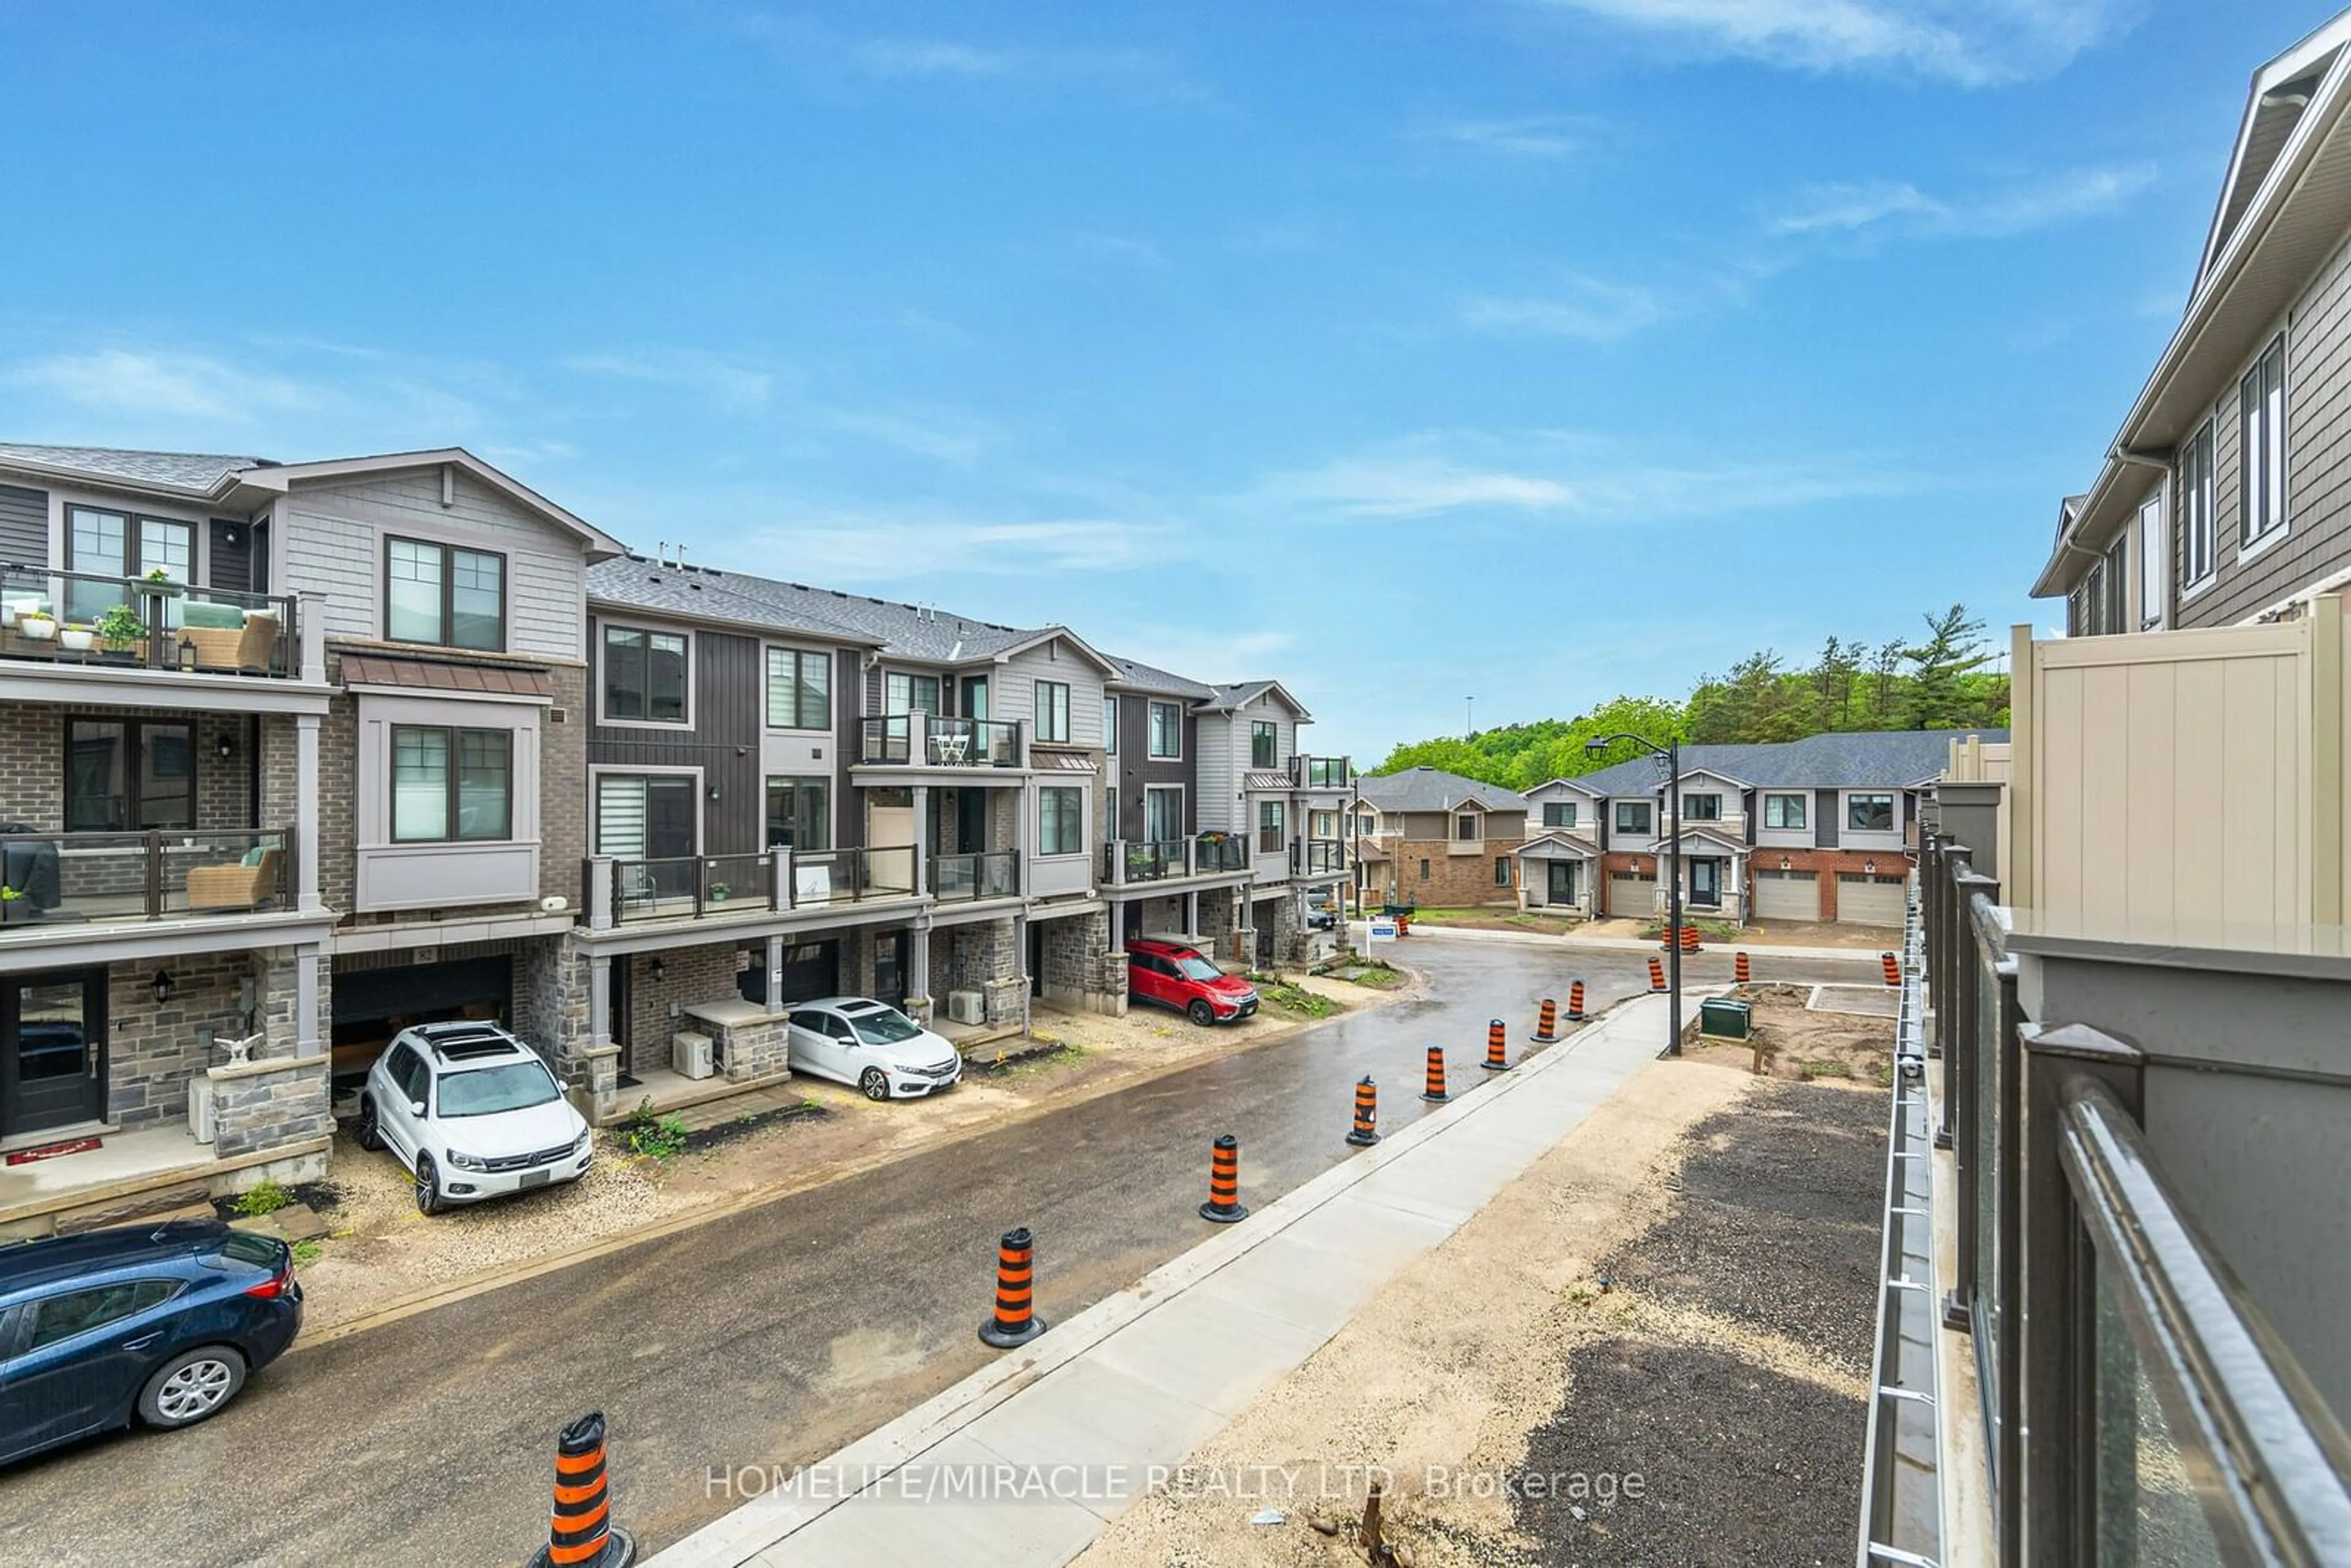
point(1025, 1462)
point(1561, 943)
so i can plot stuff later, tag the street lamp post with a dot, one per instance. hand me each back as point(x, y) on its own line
point(1670, 754)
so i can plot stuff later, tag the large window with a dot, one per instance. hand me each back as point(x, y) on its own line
point(800, 690)
point(902, 693)
point(1166, 730)
point(645, 816)
point(2150, 563)
point(1270, 833)
point(1110, 725)
point(1633, 817)
point(1501, 871)
point(644, 676)
point(130, 775)
point(2195, 541)
point(444, 595)
point(2260, 401)
point(451, 784)
point(799, 814)
point(1869, 813)
point(1265, 746)
point(1053, 711)
point(1702, 808)
point(1558, 814)
point(117, 544)
point(1060, 821)
point(1322, 825)
point(1785, 811)
point(1469, 827)
point(1162, 814)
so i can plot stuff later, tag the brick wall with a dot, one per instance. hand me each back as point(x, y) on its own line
point(153, 1050)
point(688, 975)
point(281, 995)
point(563, 785)
point(1453, 881)
point(33, 765)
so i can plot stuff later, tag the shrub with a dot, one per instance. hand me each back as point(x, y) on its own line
point(263, 1197)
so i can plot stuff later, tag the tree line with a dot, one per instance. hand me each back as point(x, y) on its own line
point(1939, 682)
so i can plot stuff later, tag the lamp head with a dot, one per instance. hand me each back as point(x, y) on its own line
point(1595, 746)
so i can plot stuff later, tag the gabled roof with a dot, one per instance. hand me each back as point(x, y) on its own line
point(1434, 789)
point(1890, 759)
point(1240, 693)
point(1576, 784)
point(282, 477)
point(1700, 833)
point(1552, 840)
point(1136, 675)
point(1046, 635)
point(190, 473)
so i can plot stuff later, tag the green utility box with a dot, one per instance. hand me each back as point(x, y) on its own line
point(1723, 1019)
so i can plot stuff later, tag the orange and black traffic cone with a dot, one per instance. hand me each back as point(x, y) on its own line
point(1367, 1113)
point(1434, 1092)
point(1690, 938)
point(1739, 972)
point(580, 1532)
point(1225, 1205)
point(1893, 968)
point(1575, 1002)
point(1013, 1323)
point(1657, 974)
point(1497, 1057)
point(1547, 1022)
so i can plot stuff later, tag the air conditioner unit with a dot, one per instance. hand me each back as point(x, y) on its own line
point(689, 1054)
point(967, 1006)
point(200, 1108)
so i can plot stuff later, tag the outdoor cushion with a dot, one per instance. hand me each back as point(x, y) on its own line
point(26, 605)
point(253, 856)
point(219, 617)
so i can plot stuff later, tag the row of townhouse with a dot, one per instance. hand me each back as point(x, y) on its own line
point(293, 755)
point(1818, 829)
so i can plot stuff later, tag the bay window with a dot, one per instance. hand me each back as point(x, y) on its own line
point(451, 785)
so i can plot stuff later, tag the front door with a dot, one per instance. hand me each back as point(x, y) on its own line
point(971, 821)
point(52, 1050)
point(890, 968)
point(1706, 883)
point(1561, 888)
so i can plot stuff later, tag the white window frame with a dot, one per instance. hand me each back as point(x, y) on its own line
point(1803, 811)
point(2153, 558)
point(1475, 820)
point(2260, 451)
point(1151, 732)
point(2199, 530)
point(603, 651)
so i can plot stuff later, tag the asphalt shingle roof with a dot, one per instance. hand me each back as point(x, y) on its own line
point(1847, 760)
point(911, 631)
point(1434, 789)
point(1146, 677)
point(197, 473)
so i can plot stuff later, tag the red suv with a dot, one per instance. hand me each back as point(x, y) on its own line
point(1178, 977)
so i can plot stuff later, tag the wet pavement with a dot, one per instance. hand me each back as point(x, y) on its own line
point(770, 1336)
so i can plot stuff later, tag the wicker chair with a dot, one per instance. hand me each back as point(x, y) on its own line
point(233, 886)
point(250, 642)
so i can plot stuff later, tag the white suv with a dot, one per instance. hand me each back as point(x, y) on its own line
point(472, 1113)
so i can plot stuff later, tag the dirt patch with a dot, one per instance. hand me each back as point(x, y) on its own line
point(1800, 1042)
point(1581, 1375)
point(1500, 917)
point(1778, 933)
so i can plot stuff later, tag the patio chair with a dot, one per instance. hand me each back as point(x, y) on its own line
point(227, 638)
point(242, 884)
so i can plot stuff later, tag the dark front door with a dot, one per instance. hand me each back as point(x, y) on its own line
point(890, 968)
point(52, 1050)
point(971, 821)
point(1706, 883)
point(1561, 888)
point(1036, 957)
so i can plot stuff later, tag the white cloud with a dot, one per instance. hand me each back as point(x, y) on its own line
point(1121, 248)
point(950, 437)
point(123, 381)
point(930, 57)
point(1524, 136)
point(1973, 43)
point(1410, 486)
point(1584, 307)
point(1890, 206)
point(853, 546)
point(721, 381)
point(1202, 654)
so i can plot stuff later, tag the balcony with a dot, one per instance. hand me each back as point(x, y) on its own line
point(690, 886)
point(1318, 857)
point(1322, 773)
point(117, 879)
point(630, 892)
point(964, 878)
point(79, 618)
point(928, 740)
point(1214, 853)
point(1126, 862)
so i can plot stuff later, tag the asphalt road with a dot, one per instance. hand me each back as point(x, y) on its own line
point(771, 1336)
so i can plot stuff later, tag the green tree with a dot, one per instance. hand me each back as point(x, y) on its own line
point(1940, 695)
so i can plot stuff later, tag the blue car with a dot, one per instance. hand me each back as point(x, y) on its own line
point(159, 1321)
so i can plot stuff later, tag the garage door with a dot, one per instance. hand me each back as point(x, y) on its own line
point(1870, 900)
point(1787, 895)
point(811, 970)
point(370, 1006)
point(1632, 895)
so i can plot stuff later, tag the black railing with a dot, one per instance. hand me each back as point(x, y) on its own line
point(1323, 772)
point(929, 741)
point(1151, 862)
point(995, 873)
point(1214, 853)
point(1319, 857)
point(116, 878)
point(80, 617)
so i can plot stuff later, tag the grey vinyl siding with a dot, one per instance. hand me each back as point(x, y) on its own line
point(1136, 769)
point(24, 526)
point(2317, 465)
point(1825, 819)
point(723, 741)
point(1012, 691)
point(1218, 770)
point(229, 564)
point(335, 537)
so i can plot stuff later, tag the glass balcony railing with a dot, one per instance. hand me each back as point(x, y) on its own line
point(80, 617)
point(928, 740)
point(1213, 853)
point(995, 873)
point(1323, 772)
point(118, 878)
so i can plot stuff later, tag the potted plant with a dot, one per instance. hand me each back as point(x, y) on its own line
point(120, 629)
point(38, 624)
point(75, 638)
point(160, 581)
point(14, 905)
point(719, 891)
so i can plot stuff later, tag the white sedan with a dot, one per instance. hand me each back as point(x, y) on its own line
point(887, 1054)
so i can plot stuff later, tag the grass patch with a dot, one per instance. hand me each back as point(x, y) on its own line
point(1708, 930)
point(306, 1253)
point(1297, 999)
point(655, 1137)
point(263, 1197)
point(1808, 1071)
point(1039, 1054)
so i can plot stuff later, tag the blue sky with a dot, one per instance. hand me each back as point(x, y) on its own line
point(1529, 350)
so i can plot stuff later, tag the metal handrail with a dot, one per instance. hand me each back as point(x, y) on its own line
point(158, 645)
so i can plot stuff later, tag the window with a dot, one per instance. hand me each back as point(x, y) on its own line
point(644, 676)
point(1265, 746)
point(1166, 730)
point(1053, 711)
point(1558, 814)
point(1367, 825)
point(1501, 871)
point(60, 1318)
point(2196, 541)
point(451, 784)
point(1322, 825)
point(799, 689)
point(2150, 562)
point(1633, 817)
point(407, 1072)
point(645, 816)
point(1468, 827)
point(444, 595)
point(910, 693)
point(1163, 815)
point(1869, 813)
point(799, 814)
point(1109, 726)
point(2118, 610)
point(1424, 870)
point(1784, 810)
point(128, 775)
point(117, 544)
point(2089, 616)
point(975, 696)
point(1702, 808)
point(1060, 819)
point(2261, 402)
point(1268, 826)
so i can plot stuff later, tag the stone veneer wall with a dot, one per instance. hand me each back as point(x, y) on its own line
point(1083, 967)
point(268, 1105)
point(154, 1049)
